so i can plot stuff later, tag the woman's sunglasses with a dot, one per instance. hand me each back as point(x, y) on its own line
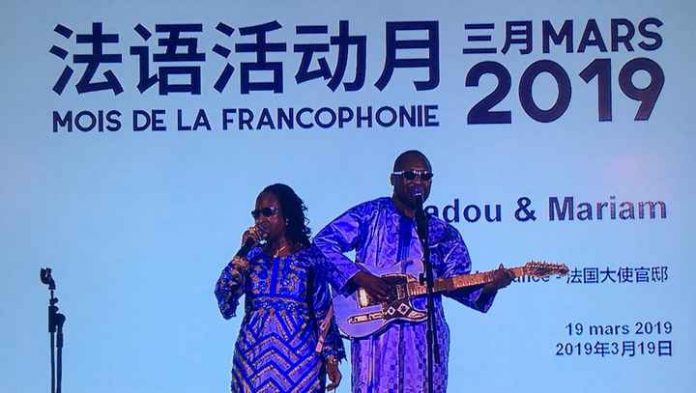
point(266, 212)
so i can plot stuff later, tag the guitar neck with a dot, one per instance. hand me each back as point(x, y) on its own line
point(458, 282)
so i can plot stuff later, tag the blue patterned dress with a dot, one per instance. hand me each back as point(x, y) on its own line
point(286, 302)
point(394, 359)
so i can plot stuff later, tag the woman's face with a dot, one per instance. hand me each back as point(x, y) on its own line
point(268, 216)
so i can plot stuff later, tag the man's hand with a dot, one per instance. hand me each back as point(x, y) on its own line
point(501, 278)
point(375, 286)
point(333, 373)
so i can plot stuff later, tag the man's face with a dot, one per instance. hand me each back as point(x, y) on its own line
point(406, 185)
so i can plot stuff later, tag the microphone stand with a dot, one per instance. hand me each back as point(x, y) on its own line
point(431, 330)
point(55, 328)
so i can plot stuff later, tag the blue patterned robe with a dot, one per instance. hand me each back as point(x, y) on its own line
point(394, 360)
point(286, 301)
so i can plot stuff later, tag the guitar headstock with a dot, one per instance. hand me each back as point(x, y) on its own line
point(544, 269)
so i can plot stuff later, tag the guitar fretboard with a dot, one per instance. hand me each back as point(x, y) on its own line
point(457, 282)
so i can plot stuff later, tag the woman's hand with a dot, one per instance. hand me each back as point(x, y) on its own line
point(256, 233)
point(333, 373)
point(239, 264)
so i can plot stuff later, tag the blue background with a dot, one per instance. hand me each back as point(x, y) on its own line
point(137, 226)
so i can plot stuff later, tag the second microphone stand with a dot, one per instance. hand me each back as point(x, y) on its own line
point(55, 328)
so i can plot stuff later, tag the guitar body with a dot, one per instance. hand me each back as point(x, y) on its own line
point(359, 315)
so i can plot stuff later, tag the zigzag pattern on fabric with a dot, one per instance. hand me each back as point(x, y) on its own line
point(279, 358)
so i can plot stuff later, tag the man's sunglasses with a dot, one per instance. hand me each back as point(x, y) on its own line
point(266, 212)
point(411, 175)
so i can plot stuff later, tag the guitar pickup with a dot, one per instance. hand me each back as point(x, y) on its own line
point(366, 317)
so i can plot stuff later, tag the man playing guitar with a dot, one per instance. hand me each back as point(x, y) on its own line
point(382, 232)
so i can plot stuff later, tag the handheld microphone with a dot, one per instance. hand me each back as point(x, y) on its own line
point(248, 244)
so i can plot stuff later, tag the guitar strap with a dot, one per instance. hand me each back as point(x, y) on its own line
point(324, 329)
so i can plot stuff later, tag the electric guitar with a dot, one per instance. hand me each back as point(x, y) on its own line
point(359, 315)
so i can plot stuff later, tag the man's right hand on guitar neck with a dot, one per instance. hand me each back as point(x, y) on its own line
point(375, 286)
